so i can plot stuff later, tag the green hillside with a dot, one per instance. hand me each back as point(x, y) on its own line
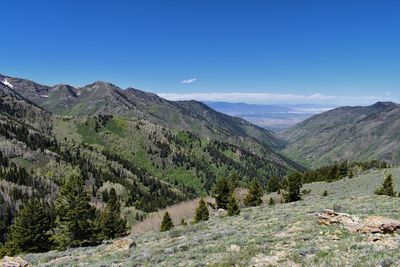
point(346, 133)
point(281, 235)
point(148, 165)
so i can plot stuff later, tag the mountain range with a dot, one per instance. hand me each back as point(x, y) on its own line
point(106, 98)
point(154, 152)
point(346, 133)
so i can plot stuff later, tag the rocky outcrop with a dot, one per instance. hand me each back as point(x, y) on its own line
point(379, 224)
point(124, 243)
point(13, 262)
point(372, 224)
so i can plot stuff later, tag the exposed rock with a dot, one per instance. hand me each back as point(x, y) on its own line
point(379, 224)
point(328, 217)
point(221, 213)
point(234, 248)
point(372, 224)
point(13, 262)
point(124, 243)
point(279, 259)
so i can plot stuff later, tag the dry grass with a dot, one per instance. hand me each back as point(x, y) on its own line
point(184, 210)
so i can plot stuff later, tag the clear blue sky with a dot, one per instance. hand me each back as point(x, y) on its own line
point(334, 48)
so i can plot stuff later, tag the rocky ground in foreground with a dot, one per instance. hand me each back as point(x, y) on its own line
point(281, 235)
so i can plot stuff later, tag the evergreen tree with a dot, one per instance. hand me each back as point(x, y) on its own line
point(75, 221)
point(221, 192)
point(387, 187)
point(166, 223)
point(234, 180)
point(325, 193)
point(111, 224)
point(30, 230)
point(202, 213)
point(273, 185)
point(271, 201)
point(5, 219)
point(233, 207)
point(291, 187)
point(253, 197)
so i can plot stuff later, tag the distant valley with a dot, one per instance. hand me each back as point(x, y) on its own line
point(273, 117)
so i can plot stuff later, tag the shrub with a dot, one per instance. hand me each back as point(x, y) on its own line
point(387, 187)
point(306, 192)
point(273, 185)
point(291, 187)
point(271, 201)
point(254, 195)
point(233, 207)
point(166, 223)
point(221, 192)
point(110, 222)
point(202, 213)
point(325, 193)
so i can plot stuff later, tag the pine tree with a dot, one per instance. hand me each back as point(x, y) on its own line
point(233, 207)
point(111, 224)
point(271, 201)
point(5, 219)
point(75, 221)
point(202, 213)
point(273, 185)
point(221, 192)
point(254, 194)
point(30, 230)
point(387, 187)
point(291, 187)
point(166, 223)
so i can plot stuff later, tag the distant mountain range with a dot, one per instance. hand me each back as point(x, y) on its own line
point(106, 98)
point(272, 117)
point(155, 152)
point(347, 133)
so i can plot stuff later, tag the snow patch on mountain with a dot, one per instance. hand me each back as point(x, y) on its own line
point(7, 83)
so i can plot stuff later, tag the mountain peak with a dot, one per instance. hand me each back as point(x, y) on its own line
point(383, 104)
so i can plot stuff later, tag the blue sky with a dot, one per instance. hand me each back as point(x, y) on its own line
point(325, 51)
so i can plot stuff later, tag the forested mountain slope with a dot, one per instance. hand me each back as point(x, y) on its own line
point(149, 164)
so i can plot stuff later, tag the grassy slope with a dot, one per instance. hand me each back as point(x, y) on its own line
point(284, 235)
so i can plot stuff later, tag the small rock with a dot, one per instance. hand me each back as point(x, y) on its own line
point(246, 216)
point(221, 213)
point(386, 262)
point(335, 237)
point(124, 243)
point(145, 254)
point(13, 262)
point(234, 248)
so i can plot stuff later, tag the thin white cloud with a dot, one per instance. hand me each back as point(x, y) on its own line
point(265, 98)
point(189, 80)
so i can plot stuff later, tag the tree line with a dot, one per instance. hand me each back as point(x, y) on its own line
point(76, 222)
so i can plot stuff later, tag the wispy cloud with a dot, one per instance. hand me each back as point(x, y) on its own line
point(189, 80)
point(265, 98)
